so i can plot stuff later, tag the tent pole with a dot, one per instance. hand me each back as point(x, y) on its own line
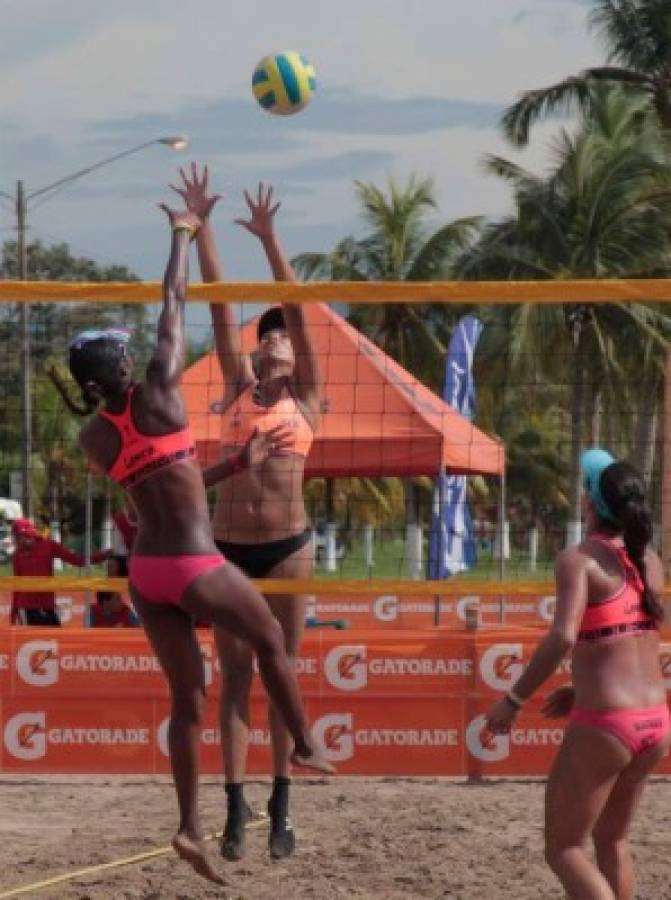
point(441, 543)
point(502, 549)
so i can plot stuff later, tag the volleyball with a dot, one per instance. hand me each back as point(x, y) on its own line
point(283, 83)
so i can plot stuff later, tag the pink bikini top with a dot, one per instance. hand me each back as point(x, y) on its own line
point(141, 455)
point(244, 416)
point(623, 613)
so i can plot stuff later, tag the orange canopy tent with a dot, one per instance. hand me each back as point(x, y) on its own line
point(377, 420)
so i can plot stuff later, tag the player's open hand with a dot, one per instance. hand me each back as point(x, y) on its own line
point(262, 212)
point(194, 191)
point(264, 444)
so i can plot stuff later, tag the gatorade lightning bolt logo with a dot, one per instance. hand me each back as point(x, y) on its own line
point(25, 735)
point(37, 663)
point(345, 667)
point(334, 733)
point(26, 732)
point(38, 660)
point(501, 665)
point(484, 745)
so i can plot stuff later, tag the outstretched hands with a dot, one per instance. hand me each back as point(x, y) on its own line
point(262, 212)
point(181, 218)
point(194, 192)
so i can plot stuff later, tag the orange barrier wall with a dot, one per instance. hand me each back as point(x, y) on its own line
point(381, 702)
point(385, 610)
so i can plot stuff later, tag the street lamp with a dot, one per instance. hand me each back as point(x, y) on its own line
point(21, 200)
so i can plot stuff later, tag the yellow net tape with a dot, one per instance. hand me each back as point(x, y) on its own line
point(319, 586)
point(115, 864)
point(499, 292)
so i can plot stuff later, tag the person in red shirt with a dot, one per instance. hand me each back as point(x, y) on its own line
point(35, 555)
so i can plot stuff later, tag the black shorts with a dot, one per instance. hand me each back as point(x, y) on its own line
point(256, 560)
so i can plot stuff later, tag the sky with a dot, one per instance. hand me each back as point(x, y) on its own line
point(403, 87)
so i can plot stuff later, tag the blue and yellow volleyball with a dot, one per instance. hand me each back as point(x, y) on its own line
point(283, 83)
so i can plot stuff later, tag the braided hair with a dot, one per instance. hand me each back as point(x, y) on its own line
point(98, 361)
point(624, 492)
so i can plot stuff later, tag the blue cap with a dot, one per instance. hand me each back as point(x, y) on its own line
point(593, 462)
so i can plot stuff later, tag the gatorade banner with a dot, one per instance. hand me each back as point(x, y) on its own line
point(500, 657)
point(384, 611)
point(366, 611)
point(78, 736)
point(381, 703)
point(119, 664)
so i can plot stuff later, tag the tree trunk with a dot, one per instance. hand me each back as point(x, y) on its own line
point(411, 511)
point(329, 499)
point(608, 424)
point(577, 415)
point(593, 412)
point(646, 428)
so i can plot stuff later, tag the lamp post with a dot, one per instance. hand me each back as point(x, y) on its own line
point(21, 201)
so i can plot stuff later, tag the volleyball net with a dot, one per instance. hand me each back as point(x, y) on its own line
point(554, 366)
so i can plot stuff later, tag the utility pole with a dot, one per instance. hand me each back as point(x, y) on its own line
point(26, 380)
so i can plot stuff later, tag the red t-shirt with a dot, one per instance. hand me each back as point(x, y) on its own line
point(38, 559)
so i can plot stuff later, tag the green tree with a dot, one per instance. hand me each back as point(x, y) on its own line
point(57, 466)
point(399, 245)
point(637, 37)
point(602, 211)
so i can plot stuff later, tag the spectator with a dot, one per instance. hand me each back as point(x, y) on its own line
point(111, 609)
point(35, 555)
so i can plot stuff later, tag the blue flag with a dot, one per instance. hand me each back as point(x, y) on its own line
point(452, 541)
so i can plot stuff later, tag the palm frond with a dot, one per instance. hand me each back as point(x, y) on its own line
point(564, 96)
point(431, 261)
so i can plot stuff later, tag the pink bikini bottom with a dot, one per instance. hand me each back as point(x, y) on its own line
point(638, 729)
point(164, 579)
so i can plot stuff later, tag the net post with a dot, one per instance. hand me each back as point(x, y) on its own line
point(666, 470)
point(502, 538)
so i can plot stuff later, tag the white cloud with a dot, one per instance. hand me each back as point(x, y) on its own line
point(67, 73)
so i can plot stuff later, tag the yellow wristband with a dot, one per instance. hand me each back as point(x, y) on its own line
point(188, 228)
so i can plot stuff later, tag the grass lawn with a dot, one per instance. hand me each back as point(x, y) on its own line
point(389, 562)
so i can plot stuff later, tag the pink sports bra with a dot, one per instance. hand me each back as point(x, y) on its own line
point(141, 455)
point(623, 613)
point(244, 416)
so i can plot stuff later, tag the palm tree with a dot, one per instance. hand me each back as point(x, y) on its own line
point(637, 36)
point(603, 211)
point(399, 246)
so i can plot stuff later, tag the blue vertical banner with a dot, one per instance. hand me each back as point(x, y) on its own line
point(452, 540)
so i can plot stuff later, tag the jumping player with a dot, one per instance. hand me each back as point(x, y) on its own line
point(141, 439)
point(259, 520)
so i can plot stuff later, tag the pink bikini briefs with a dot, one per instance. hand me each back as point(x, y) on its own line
point(164, 579)
point(638, 729)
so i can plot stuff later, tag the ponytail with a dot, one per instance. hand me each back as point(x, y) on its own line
point(623, 491)
point(637, 533)
point(86, 408)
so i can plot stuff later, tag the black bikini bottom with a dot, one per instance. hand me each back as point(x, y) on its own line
point(256, 560)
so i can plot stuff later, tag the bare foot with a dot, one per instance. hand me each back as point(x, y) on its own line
point(193, 852)
point(313, 759)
